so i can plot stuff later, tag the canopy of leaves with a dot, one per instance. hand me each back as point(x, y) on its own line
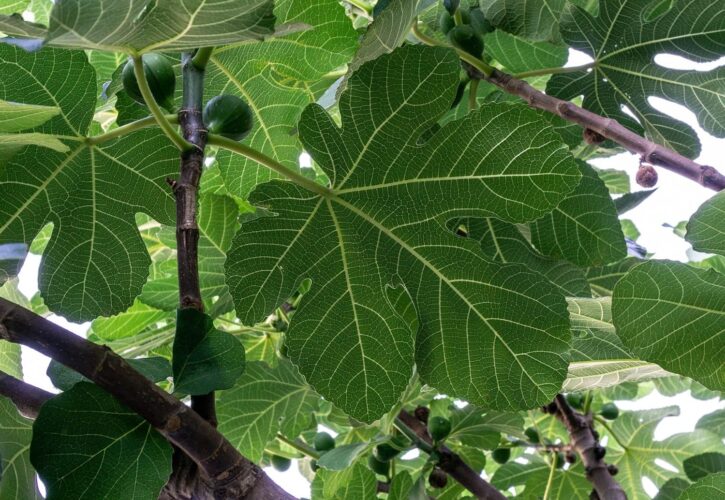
point(355, 234)
point(623, 41)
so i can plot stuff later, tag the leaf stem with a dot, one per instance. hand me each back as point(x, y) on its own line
point(606, 425)
point(201, 58)
point(154, 108)
point(481, 66)
point(128, 128)
point(554, 71)
point(550, 480)
point(301, 447)
point(272, 164)
point(472, 95)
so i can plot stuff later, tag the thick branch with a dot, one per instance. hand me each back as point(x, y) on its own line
point(27, 398)
point(450, 462)
point(228, 474)
point(587, 446)
point(609, 128)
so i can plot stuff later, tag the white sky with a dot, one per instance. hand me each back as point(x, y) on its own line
point(675, 200)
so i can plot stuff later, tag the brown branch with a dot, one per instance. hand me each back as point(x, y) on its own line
point(227, 474)
point(27, 398)
point(606, 127)
point(585, 443)
point(451, 462)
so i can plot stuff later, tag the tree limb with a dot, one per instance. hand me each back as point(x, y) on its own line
point(449, 461)
point(586, 444)
point(607, 127)
point(227, 474)
point(27, 398)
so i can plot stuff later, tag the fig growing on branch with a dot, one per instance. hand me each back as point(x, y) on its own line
point(465, 38)
point(609, 411)
point(439, 428)
point(501, 455)
point(160, 76)
point(229, 116)
point(281, 463)
point(323, 442)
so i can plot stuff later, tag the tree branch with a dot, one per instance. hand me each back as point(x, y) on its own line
point(586, 444)
point(227, 473)
point(27, 398)
point(607, 127)
point(449, 461)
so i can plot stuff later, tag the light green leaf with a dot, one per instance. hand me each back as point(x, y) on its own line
point(584, 228)
point(707, 488)
point(598, 357)
point(566, 484)
point(349, 341)
point(95, 263)
point(400, 486)
point(18, 475)
point(635, 430)
point(341, 457)
point(623, 45)
point(170, 26)
point(617, 181)
point(16, 116)
point(674, 315)
point(204, 359)
point(15, 25)
point(532, 19)
point(265, 401)
point(128, 323)
point(12, 6)
point(87, 445)
point(714, 422)
point(356, 482)
point(274, 77)
point(700, 466)
point(503, 242)
point(706, 230)
point(518, 54)
point(218, 221)
point(482, 429)
point(11, 143)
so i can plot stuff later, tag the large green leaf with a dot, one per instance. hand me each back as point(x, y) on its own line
point(635, 430)
point(623, 43)
point(532, 19)
point(534, 475)
point(95, 263)
point(474, 427)
point(700, 466)
point(518, 54)
point(347, 338)
point(674, 315)
point(128, 323)
point(710, 486)
point(274, 77)
point(598, 357)
point(148, 25)
point(17, 476)
point(86, 445)
point(603, 279)
point(706, 230)
point(12, 6)
point(265, 401)
point(502, 241)
point(357, 482)
point(584, 228)
point(16, 116)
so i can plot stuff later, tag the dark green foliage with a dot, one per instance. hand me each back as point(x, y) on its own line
point(378, 466)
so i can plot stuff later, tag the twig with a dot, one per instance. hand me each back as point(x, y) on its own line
point(611, 129)
point(227, 473)
point(128, 128)
point(27, 398)
point(301, 447)
point(587, 446)
point(611, 432)
point(449, 461)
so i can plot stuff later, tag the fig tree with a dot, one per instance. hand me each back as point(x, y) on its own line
point(229, 116)
point(160, 76)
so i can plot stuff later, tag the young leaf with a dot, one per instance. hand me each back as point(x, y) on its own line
point(18, 475)
point(204, 359)
point(265, 401)
point(672, 314)
point(635, 430)
point(705, 229)
point(361, 244)
point(95, 263)
point(623, 44)
point(274, 78)
point(79, 455)
point(584, 228)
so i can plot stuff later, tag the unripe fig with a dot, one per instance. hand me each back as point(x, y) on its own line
point(479, 23)
point(501, 455)
point(378, 466)
point(323, 442)
point(575, 400)
point(229, 116)
point(439, 428)
point(281, 463)
point(465, 38)
point(160, 76)
point(532, 434)
point(609, 411)
point(384, 452)
point(438, 478)
point(559, 460)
